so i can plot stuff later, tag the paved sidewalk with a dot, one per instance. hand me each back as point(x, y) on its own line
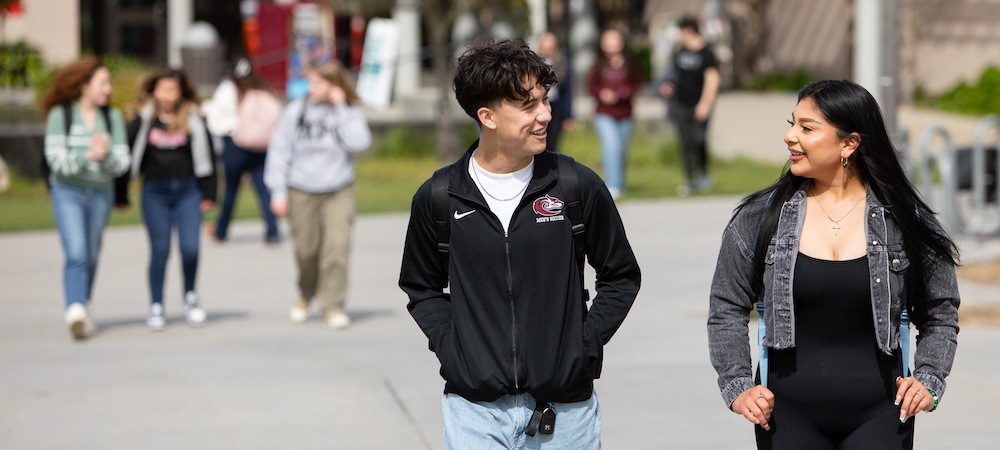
point(252, 380)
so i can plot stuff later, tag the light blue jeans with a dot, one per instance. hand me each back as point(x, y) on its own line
point(614, 135)
point(500, 424)
point(81, 215)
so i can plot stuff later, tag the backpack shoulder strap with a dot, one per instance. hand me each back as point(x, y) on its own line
point(574, 207)
point(67, 116)
point(439, 207)
point(106, 112)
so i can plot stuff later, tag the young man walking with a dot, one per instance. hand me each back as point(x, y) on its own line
point(518, 347)
point(691, 87)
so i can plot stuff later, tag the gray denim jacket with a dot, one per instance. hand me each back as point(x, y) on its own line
point(732, 297)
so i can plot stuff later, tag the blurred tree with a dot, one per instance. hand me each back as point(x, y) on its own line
point(749, 20)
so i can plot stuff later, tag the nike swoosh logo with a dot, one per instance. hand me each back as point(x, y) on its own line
point(459, 216)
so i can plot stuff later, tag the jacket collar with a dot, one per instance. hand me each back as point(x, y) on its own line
point(463, 186)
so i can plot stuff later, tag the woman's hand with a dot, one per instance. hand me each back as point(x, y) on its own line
point(608, 96)
point(337, 95)
point(98, 147)
point(912, 397)
point(206, 205)
point(756, 405)
point(279, 207)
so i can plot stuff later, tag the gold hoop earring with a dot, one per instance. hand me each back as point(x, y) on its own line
point(843, 162)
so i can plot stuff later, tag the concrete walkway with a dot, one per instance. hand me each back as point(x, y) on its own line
point(252, 380)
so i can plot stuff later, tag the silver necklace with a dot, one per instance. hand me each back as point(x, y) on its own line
point(836, 223)
point(482, 187)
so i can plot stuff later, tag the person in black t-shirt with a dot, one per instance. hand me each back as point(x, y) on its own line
point(691, 87)
point(172, 150)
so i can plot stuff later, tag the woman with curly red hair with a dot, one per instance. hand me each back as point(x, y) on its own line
point(85, 149)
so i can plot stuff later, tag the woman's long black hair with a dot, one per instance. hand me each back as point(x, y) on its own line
point(851, 109)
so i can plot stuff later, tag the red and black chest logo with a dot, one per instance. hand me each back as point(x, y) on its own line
point(548, 209)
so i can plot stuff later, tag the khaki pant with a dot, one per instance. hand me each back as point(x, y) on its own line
point(321, 228)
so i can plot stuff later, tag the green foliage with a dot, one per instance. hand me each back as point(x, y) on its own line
point(127, 74)
point(792, 82)
point(644, 58)
point(412, 141)
point(20, 65)
point(405, 142)
point(976, 99)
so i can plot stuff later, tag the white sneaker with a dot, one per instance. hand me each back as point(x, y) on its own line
point(337, 320)
point(299, 312)
point(89, 327)
point(155, 320)
point(193, 312)
point(76, 319)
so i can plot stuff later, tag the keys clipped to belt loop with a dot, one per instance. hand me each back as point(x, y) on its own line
point(543, 420)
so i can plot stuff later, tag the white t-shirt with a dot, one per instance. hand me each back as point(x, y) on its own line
point(503, 191)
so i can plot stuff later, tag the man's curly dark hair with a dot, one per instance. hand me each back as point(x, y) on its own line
point(491, 70)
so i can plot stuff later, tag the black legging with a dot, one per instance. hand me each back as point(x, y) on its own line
point(835, 389)
point(693, 139)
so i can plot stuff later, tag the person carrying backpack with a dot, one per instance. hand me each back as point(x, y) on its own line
point(244, 112)
point(172, 150)
point(513, 333)
point(85, 149)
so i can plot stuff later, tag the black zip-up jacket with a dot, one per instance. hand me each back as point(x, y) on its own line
point(515, 319)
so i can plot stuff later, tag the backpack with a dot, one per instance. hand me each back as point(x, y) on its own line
point(574, 211)
point(258, 114)
point(68, 121)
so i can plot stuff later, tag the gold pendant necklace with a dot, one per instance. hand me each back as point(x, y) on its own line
point(836, 223)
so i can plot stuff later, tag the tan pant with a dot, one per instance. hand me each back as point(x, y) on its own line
point(321, 228)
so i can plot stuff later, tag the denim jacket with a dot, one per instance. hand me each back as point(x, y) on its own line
point(732, 297)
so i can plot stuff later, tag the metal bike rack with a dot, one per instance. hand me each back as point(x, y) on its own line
point(978, 225)
point(944, 160)
point(975, 219)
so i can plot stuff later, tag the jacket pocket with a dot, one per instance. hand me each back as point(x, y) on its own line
point(449, 357)
point(899, 262)
point(769, 256)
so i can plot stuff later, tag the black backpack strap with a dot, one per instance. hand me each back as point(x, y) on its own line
point(439, 207)
point(67, 116)
point(574, 208)
point(106, 112)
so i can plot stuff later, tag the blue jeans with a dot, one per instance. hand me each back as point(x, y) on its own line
point(167, 204)
point(500, 424)
point(238, 161)
point(81, 215)
point(614, 135)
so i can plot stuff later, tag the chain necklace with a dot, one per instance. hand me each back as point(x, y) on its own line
point(482, 187)
point(836, 223)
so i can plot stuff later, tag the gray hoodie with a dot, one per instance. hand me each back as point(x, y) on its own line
point(312, 150)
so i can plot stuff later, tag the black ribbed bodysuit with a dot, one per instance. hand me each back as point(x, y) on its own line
point(835, 388)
